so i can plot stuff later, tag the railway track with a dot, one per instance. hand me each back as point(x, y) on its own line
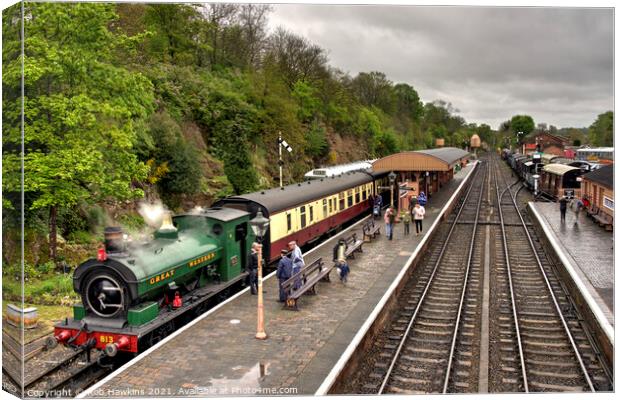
point(484, 311)
point(544, 347)
point(58, 372)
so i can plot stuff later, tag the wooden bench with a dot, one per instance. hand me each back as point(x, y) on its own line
point(592, 211)
point(604, 220)
point(371, 230)
point(353, 244)
point(309, 276)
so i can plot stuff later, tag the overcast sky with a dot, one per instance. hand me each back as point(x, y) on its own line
point(555, 64)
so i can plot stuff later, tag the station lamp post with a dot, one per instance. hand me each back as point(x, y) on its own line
point(259, 226)
point(392, 178)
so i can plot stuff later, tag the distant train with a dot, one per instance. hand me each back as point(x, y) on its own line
point(596, 154)
point(335, 170)
point(552, 176)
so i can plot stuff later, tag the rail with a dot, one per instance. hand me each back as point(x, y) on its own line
point(426, 289)
point(549, 288)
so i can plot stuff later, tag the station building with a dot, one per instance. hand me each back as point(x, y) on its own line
point(598, 187)
point(422, 170)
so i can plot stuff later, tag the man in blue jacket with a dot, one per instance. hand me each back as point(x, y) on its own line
point(285, 271)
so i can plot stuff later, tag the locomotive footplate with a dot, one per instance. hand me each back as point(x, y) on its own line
point(113, 338)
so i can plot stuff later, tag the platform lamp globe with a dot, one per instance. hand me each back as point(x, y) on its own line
point(392, 178)
point(259, 226)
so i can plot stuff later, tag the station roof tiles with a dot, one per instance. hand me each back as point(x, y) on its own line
point(603, 176)
point(448, 155)
point(441, 159)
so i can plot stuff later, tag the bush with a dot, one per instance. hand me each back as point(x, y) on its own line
point(316, 142)
point(81, 237)
point(131, 222)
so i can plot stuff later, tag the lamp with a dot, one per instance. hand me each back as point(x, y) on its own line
point(392, 178)
point(259, 226)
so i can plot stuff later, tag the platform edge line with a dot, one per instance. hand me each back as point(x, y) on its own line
point(596, 309)
point(192, 323)
point(346, 355)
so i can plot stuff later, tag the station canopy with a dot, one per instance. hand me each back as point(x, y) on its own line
point(442, 159)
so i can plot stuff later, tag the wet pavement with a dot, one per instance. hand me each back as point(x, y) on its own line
point(218, 355)
point(588, 247)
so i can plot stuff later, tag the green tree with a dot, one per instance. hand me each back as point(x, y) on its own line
point(183, 170)
point(307, 101)
point(80, 109)
point(521, 123)
point(316, 142)
point(602, 130)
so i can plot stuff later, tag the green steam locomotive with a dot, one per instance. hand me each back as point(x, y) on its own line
point(133, 295)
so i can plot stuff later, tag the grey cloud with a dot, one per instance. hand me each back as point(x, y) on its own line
point(557, 63)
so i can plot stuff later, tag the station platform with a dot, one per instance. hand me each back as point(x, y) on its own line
point(587, 247)
point(217, 354)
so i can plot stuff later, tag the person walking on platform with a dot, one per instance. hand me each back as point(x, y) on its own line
point(389, 218)
point(343, 270)
point(252, 268)
point(405, 216)
point(563, 202)
point(577, 206)
point(418, 217)
point(284, 272)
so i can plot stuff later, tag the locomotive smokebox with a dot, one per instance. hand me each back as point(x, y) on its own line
point(113, 239)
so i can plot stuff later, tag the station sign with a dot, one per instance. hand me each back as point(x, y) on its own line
point(569, 193)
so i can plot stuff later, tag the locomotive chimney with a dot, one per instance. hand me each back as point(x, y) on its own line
point(167, 230)
point(113, 239)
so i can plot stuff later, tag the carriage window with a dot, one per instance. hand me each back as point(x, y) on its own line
point(324, 207)
point(364, 194)
point(302, 210)
point(311, 213)
point(341, 201)
point(288, 222)
point(349, 198)
point(331, 205)
point(357, 195)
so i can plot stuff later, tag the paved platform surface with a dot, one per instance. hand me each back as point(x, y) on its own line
point(218, 354)
point(590, 250)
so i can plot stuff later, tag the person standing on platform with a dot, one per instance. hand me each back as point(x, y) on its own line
point(418, 217)
point(343, 269)
point(296, 251)
point(422, 199)
point(405, 216)
point(298, 260)
point(339, 249)
point(253, 268)
point(377, 206)
point(285, 271)
point(563, 202)
point(389, 218)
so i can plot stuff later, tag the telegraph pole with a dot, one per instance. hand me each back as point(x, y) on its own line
point(280, 162)
point(282, 143)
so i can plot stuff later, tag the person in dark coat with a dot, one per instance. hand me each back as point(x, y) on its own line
point(563, 203)
point(422, 199)
point(252, 268)
point(285, 271)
